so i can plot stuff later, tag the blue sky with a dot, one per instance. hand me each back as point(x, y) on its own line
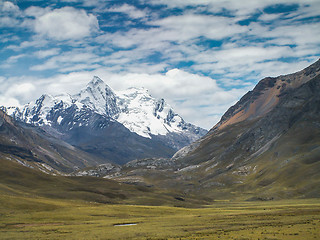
point(200, 55)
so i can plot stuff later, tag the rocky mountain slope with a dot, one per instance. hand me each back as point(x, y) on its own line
point(118, 126)
point(268, 144)
point(254, 111)
point(266, 95)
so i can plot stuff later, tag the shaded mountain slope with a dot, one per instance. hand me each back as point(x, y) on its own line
point(33, 147)
point(115, 142)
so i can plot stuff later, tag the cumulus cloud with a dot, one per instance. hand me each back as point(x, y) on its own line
point(66, 23)
point(9, 14)
point(17, 93)
point(35, 11)
point(23, 89)
point(9, 7)
point(175, 83)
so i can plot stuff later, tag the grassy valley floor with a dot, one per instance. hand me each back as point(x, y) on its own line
point(44, 218)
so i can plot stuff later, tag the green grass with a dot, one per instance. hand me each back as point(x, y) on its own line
point(34, 205)
point(43, 218)
point(25, 182)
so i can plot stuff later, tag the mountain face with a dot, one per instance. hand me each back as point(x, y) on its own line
point(267, 144)
point(118, 126)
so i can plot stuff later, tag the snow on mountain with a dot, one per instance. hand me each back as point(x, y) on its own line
point(134, 108)
point(11, 111)
point(99, 97)
point(145, 115)
point(36, 112)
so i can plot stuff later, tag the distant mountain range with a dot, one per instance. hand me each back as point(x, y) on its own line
point(115, 126)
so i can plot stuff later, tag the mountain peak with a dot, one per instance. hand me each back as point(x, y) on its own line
point(99, 97)
point(97, 84)
point(96, 81)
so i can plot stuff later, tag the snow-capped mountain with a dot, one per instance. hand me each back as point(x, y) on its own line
point(100, 112)
point(99, 97)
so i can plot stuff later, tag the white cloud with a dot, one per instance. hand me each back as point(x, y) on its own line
point(8, 101)
point(66, 23)
point(23, 89)
point(276, 68)
point(12, 60)
point(249, 55)
point(66, 60)
point(35, 43)
point(243, 7)
point(175, 84)
point(79, 67)
point(17, 93)
point(15, 58)
point(300, 34)
point(9, 14)
point(191, 26)
point(177, 29)
point(9, 7)
point(34, 11)
point(8, 22)
point(47, 53)
point(130, 10)
point(269, 17)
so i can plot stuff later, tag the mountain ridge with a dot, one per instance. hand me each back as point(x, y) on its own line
point(267, 92)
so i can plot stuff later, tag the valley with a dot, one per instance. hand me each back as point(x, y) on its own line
point(35, 205)
point(42, 218)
